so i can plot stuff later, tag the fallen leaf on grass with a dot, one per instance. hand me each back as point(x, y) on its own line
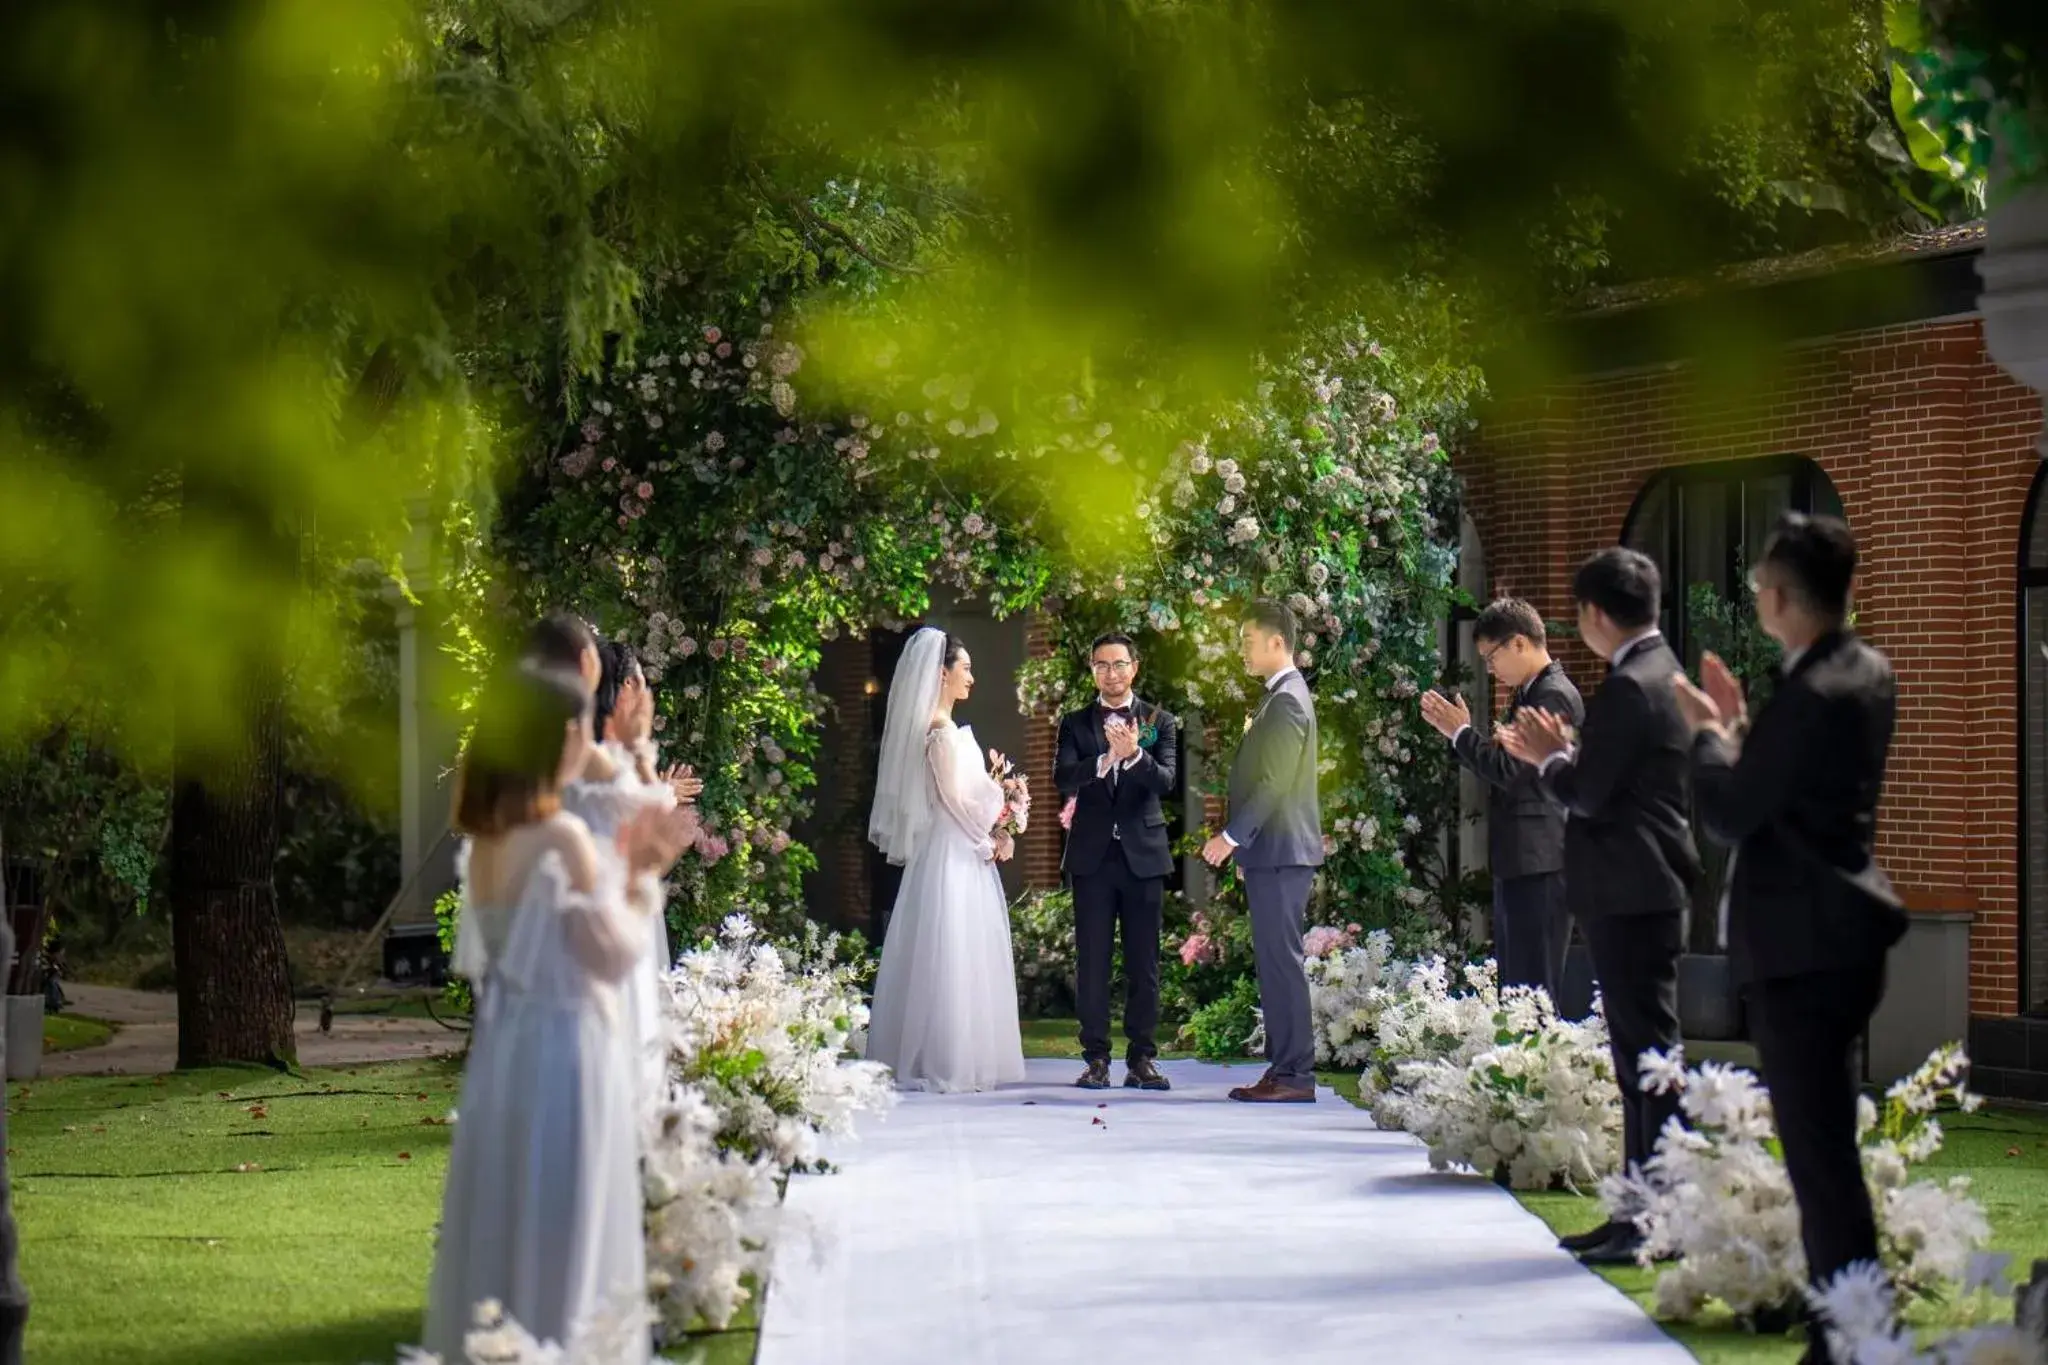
point(431, 1122)
point(225, 1094)
point(405, 1156)
point(259, 1111)
point(2012, 1151)
point(248, 1166)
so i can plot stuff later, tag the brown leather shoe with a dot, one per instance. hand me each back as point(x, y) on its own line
point(1144, 1075)
point(1268, 1091)
point(1096, 1077)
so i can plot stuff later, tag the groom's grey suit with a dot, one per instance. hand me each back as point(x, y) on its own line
point(1276, 827)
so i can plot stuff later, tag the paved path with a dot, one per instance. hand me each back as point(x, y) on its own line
point(1031, 1225)
point(146, 1043)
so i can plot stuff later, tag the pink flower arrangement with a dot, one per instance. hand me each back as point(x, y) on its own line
point(1016, 812)
point(1197, 947)
point(1325, 939)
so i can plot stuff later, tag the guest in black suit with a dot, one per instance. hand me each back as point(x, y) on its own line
point(1810, 914)
point(1117, 758)
point(1629, 857)
point(1524, 831)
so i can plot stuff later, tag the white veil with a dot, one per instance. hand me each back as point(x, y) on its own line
point(903, 801)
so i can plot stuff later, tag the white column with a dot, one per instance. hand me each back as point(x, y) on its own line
point(423, 731)
point(2014, 269)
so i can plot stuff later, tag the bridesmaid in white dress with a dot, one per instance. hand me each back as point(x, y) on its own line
point(542, 1211)
point(945, 1011)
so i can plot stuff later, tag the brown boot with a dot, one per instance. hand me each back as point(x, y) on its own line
point(1142, 1074)
point(1268, 1091)
point(1096, 1077)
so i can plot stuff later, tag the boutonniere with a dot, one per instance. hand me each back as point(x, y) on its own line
point(1148, 728)
point(1249, 717)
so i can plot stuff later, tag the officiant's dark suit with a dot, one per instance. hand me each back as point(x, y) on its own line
point(1811, 916)
point(1630, 861)
point(1119, 855)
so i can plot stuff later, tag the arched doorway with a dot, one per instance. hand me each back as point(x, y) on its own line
point(1705, 523)
point(2033, 643)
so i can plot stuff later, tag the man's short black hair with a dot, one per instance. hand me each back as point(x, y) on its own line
point(1623, 583)
point(1275, 618)
point(1504, 619)
point(558, 640)
point(1813, 559)
point(1115, 637)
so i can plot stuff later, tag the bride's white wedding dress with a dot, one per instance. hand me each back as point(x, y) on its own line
point(945, 1011)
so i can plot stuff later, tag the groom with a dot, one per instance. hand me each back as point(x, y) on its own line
point(1116, 759)
point(1275, 832)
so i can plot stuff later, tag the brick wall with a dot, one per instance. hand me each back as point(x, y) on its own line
point(1932, 449)
point(1044, 841)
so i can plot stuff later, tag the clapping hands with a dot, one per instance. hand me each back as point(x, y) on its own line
point(1122, 737)
point(1446, 715)
point(1535, 736)
point(682, 779)
point(1718, 704)
point(653, 839)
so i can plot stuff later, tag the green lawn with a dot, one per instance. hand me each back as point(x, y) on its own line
point(63, 1032)
point(238, 1216)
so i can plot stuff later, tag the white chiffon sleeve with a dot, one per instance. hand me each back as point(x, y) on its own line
point(471, 959)
point(606, 929)
point(959, 805)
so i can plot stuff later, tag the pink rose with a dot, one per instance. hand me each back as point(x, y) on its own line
point(717, 649)
point(1197, 948)
point(609, 464)
point(711, 336)
point(644, 490)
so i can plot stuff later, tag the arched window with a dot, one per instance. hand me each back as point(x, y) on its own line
point(2033, 634)
point(1705, 523)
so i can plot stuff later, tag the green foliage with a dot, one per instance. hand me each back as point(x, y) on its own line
point(1730, 629)
point(447, 922)
point(1222, 1029)
point(1042, 947)
point(1968, 88)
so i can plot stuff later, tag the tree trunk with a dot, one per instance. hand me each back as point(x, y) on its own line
point(234, 984)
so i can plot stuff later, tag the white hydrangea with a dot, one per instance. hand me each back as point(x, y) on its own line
point(1716, 1197)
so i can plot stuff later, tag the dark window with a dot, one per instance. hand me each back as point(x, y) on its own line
point(2033, 637)
point(1705, 523)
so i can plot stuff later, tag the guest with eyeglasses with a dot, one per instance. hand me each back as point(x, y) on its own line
point(1524, 831)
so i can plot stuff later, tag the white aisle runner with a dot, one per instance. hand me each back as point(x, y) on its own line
point(1181, 1229)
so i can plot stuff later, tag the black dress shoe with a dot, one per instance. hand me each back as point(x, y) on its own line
point(1096, 1077)
point(1591, 1237)
point(1144, 1075)
point(1619, 1249)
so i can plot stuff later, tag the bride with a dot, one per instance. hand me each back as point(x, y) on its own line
point(945, 1012)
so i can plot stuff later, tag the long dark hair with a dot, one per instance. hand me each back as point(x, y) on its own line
point(955, 647)
point(619, 663)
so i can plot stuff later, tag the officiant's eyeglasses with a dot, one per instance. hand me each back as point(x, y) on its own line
point(1111, 665)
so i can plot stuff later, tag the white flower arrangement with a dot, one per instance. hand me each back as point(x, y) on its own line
point(1859, 1308)
point(1716, 1196)
point(1347, 990)
point(1537, 1110)
point(758, 1073)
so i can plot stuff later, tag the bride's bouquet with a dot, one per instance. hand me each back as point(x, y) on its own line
point(1016, 812)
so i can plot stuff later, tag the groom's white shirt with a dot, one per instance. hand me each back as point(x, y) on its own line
point(1271, 683)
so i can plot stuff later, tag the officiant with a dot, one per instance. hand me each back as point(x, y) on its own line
point(1117, 758)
